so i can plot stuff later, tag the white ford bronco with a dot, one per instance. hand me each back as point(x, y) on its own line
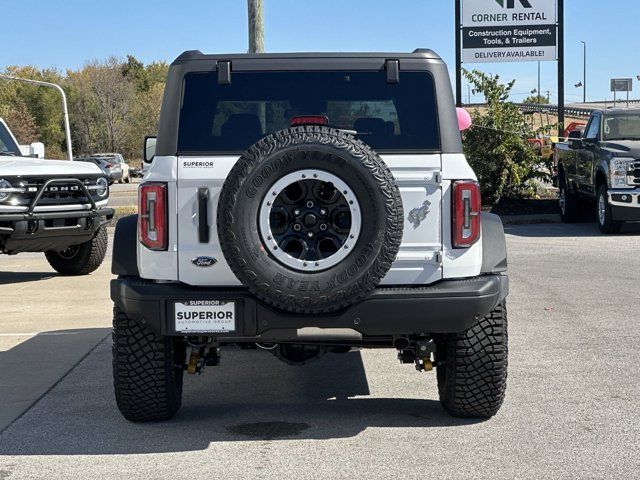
point(307, 204)
point(57, 207)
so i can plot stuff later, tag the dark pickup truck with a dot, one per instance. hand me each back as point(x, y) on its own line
point(602, 164)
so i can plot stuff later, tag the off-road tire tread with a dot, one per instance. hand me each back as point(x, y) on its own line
point(393, 206)
point(147, 382)
point(89, 257)
point(472, 378)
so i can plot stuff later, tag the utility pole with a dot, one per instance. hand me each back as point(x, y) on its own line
point(65, 111)
point(256, 26)
point(584, 74)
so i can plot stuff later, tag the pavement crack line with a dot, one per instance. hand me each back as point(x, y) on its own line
point(55, 384)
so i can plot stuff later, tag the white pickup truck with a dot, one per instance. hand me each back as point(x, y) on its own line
point(52, 206)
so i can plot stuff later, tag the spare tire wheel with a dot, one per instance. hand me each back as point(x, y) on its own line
point(310, 219)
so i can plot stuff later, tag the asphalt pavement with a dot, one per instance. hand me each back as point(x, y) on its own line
point(570, 410)
point(124, 194)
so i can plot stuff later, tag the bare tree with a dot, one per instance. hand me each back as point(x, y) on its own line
point(113, 95)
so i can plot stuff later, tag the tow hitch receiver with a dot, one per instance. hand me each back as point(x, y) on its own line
point(199, 355)
point(418, 353)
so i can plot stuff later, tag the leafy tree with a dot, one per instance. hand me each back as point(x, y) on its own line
point(42, 104)
point(102, 99)
point(133, 69)
point(536, 99)
point(22, 123)
point(143, 119)
point(113, 104)
point(497, 146)
point(157, 72)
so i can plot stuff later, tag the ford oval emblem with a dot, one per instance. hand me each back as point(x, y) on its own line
point(204, 261)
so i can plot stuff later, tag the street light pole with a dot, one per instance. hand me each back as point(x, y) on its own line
point(584, 72)
point(539, 91)
point(65, 111)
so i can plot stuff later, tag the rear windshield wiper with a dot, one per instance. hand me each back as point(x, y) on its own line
point(8, 154)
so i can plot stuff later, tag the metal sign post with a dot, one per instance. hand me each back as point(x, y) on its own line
point(621, 85)
point(458, 53)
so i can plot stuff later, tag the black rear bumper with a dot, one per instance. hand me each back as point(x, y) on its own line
point(39, 232)
point(446, 307)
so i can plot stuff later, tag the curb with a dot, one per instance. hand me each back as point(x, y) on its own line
point(531, 219)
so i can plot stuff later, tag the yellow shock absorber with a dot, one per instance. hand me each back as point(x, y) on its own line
point(426, 364)
point(192, 368)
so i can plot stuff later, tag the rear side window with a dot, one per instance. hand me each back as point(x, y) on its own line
point(218, 118)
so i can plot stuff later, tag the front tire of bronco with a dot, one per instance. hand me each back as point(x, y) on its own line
point(80, 259)
point(472, 367)
point(147, 371)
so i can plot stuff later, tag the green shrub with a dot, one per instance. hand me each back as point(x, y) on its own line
point(496, 145)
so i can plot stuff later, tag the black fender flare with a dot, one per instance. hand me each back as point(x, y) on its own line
point(124, 261)
point(494, 244)
point(601, 169)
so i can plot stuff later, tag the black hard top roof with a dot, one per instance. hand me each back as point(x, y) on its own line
point(197, 55)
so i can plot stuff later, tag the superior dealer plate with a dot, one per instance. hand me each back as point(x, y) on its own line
point(205, 316)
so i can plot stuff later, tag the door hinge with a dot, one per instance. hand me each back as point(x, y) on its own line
point(393, 71)
point(224, 72)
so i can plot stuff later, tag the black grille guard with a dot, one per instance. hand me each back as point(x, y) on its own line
point(45, 185)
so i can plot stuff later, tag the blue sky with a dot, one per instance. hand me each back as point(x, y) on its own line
point(66, 34)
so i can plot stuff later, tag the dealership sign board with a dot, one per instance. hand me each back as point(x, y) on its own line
point(509, 30)
point(621, 84)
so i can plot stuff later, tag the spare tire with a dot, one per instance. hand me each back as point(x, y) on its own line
point(310, 219)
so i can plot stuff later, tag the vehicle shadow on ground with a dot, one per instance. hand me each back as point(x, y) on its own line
point(9, 278)
point(590, 229)
point(251, 397)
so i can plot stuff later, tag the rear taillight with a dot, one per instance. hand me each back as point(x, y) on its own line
point(466, 213)
point(108, 165)
point(153, 232)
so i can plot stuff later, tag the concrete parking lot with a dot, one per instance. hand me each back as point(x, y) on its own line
point(571, 409)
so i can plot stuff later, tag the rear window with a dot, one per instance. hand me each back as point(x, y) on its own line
point(229, 118)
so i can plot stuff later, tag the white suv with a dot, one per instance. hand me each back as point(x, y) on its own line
point(306, 204)
point(52, 206)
